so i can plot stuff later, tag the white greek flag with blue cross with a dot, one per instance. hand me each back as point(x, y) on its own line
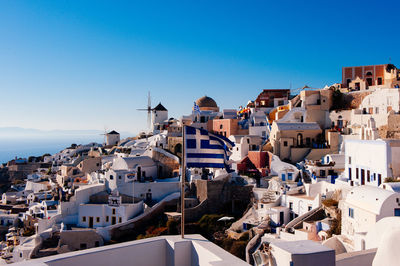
point(196, 108)
point(204, 149)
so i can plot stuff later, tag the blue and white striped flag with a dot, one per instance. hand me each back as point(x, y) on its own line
point(204, 149)
point(196, 108)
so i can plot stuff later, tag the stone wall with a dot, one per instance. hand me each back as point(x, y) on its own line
point(195, 213)
point(393, 126)
point(354, 100)
point(74, 239)
point(168, 164)
point(119, 231)
point(214, 195)
point(173, 143)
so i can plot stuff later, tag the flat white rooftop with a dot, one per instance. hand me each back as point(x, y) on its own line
point(301, 247)
point(157, 251)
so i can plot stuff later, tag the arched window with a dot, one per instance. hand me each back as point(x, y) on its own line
point(299, 139)
point(178, 148)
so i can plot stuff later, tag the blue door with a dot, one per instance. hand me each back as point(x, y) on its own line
point(283, 177)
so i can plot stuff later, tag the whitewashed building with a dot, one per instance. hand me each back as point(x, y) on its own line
point(296, 253)
point(377, 105)
point(159, 118)
point(300, 204)
point(244, 144)
point(101, 215)
point(143, 167)
point(112, 138)
point(364, 206)
point(327, 169)
point(369, 162)
point(258, 125)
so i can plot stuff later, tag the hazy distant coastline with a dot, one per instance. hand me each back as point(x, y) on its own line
point(21, 142)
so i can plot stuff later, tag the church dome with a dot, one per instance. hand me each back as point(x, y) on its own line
point(207, 103)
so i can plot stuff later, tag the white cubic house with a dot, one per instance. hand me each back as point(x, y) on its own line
point(370, 162)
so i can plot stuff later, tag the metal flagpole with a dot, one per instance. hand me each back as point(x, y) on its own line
point(183, 178)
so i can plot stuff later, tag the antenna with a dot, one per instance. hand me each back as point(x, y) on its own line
point(149, 110)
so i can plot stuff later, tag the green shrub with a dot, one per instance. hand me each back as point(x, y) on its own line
point(172, 226)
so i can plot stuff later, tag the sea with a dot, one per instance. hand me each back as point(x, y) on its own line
point(36, 146)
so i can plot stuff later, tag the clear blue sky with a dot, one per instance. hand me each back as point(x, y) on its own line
point(89, 64)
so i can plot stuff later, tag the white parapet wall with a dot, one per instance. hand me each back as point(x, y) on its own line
point(193, 250)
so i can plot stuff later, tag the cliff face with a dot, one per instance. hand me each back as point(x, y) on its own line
point(4, 175)
point(353, 100)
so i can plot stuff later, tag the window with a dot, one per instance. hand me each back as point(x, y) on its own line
point(107, 219)
point(290, 176)
point(379, 179)
point(362, 177)
point(119, 177)
point(97, 164)
point(291, 205)
point(299, 139)
point(349, 173)
point(113, 211)
point(397, 212)
point(220, 126)
point(84, 219)
point(285, 143)
point(97, 219)
point(351, 212)
point(322, 172)
point(356, 173)
point(309, 208)
point(349, 159)
point(262, 206)
point(376, 110)
point(248, 141)
point(379, 81)
point(368, 176)
point(120, 220)
point(111, 177)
